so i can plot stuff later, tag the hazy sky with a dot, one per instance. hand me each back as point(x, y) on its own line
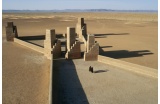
point(80, 4)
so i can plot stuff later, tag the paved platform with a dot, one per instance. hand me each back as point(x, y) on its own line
point(107, 85)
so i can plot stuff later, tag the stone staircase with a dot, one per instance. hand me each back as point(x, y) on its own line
point(92, 54)
point(74, 52)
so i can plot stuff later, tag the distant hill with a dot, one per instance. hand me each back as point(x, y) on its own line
point(76, 10)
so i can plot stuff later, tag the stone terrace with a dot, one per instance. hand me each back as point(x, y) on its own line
point(107, 85)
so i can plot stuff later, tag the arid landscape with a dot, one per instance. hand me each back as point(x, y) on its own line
point(131, 37)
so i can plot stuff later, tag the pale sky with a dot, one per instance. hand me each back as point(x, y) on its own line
point(80, 4)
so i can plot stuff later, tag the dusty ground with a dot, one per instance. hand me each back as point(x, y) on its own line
point(25, 75)
point(128, 37)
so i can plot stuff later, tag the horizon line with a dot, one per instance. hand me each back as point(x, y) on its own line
point(85, 9)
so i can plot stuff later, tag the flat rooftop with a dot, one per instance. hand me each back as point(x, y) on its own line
point(106, 85)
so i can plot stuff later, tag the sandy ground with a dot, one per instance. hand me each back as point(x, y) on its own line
point(25, 75)
point(128, 37)
point(107, 85)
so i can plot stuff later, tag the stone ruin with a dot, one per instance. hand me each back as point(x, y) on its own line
point(11, 31)
point(52, 45)
point(73, 46)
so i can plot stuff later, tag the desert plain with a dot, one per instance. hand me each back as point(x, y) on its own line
point(131, 37)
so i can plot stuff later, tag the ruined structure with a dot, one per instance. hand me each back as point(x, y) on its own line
point(92, 49)
point(51, 44)
point(81, 28)
point(50, 39)
point(56, 50)
point(11, 31)
point(73, 46)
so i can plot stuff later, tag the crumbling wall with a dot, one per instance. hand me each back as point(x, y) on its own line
point(81, 28)
point(74, 52)
point(56, 50)
point(11, 31)
point(92, 54)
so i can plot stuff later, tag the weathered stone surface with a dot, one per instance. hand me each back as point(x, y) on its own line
point(81, 28)
point(49, 41)
point(74, 52)
point(11, 31)
point(71, 37)
point(56, 51)
point(92, 54)
point(90, 42)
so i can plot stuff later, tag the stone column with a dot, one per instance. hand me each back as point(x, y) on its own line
point(79, 26)
point(71, 38)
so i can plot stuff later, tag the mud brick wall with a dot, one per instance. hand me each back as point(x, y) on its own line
point(74, 52)
point(56, 51)
point(71, 37)
point(29, 45)
point(129, 66)
point(50, 39)
point(11, 31)
point(81, 28)
point(92, 54)
point(90, 42)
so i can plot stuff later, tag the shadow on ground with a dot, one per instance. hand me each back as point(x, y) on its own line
point(105, 35)
point(117, 54)
point(37, 37)
point(67, 88)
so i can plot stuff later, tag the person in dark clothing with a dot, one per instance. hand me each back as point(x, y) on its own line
point(90, 68)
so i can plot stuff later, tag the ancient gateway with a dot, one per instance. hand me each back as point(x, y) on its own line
point(52, 45)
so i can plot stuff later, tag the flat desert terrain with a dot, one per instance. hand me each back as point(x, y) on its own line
point(131, 37)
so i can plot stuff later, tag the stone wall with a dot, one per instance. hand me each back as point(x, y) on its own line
point(56, 51)
point(92, 54)
point(74, 52)
point(29, 45)
point(50, 39)
point(90, 42)
point(71, 37)
point(81, 28)
point(129, 66)
point(11, 31)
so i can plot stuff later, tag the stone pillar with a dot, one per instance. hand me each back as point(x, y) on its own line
point(81, 21)
point(79, 26)
point(11, 31)
point(71, 37)
point(90, 42)
point(49, 41)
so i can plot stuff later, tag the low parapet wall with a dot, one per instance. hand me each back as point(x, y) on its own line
point(129, 66)
point(29, 45)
